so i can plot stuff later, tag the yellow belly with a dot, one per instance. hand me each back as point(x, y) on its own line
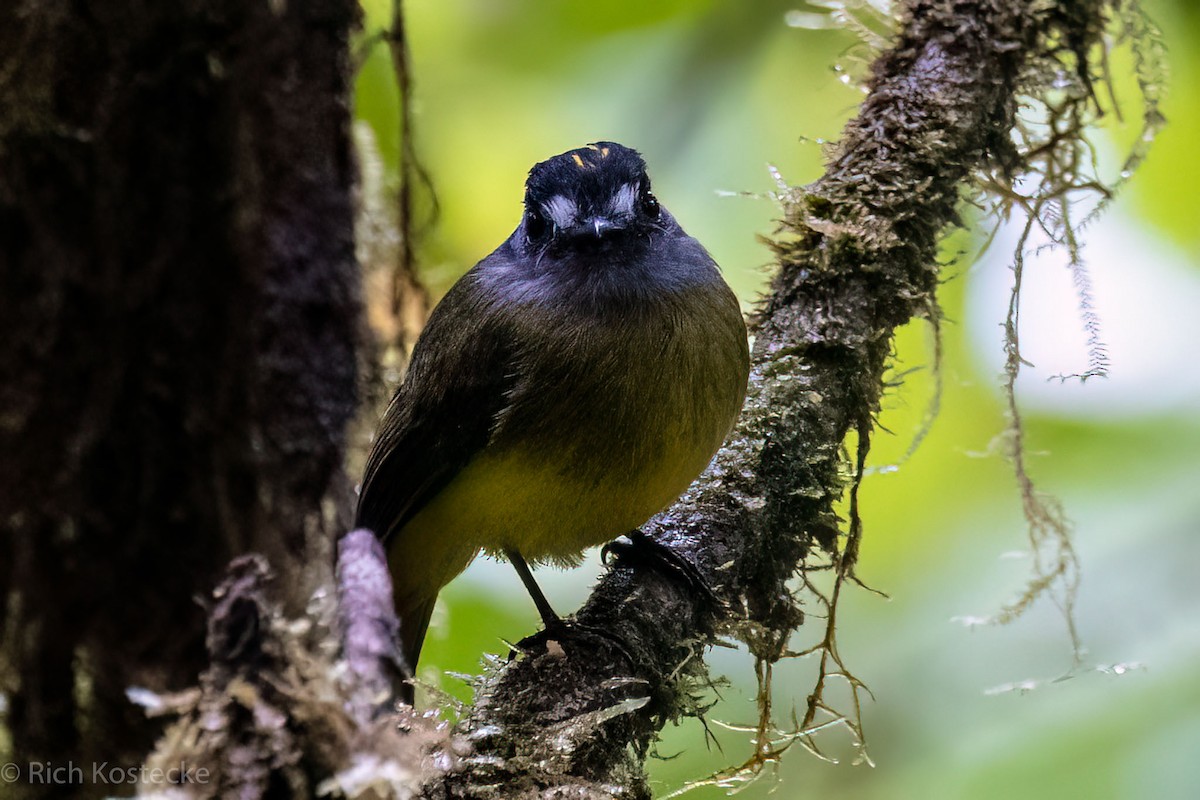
point(532, 504)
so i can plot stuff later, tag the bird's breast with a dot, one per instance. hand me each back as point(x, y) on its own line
point(613, 415)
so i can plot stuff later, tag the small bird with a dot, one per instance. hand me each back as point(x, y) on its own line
point(567, 388)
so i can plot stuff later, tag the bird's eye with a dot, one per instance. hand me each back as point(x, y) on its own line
point(648, 202)
point(535, 225)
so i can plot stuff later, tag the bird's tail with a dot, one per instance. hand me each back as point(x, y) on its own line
point(414, 621)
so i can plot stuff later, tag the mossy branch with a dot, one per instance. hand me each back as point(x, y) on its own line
point(856, 255)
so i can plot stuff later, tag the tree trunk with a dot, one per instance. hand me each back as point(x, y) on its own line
point(179, 312)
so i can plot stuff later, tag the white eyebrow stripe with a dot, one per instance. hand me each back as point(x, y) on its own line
point(623, 202)
point(561, 211)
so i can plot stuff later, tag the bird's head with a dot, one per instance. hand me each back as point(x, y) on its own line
point(589, 197)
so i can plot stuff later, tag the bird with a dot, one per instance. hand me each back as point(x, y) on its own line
point(568, 387)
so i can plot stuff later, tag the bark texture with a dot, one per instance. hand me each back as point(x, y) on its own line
point(179, 319)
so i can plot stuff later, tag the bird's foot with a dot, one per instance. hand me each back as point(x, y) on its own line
point(641, 550)
point(557, 631)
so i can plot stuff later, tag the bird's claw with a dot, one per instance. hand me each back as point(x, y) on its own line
point(639, 549)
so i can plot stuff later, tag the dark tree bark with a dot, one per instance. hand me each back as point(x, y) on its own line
point(179, 313)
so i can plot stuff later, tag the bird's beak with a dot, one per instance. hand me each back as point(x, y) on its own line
point(597, 227)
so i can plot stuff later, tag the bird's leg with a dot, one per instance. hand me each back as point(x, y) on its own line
point(549, 618)
point(553, 624)
point(645, 550)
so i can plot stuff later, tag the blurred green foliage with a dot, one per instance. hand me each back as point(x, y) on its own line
point(712, 91)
